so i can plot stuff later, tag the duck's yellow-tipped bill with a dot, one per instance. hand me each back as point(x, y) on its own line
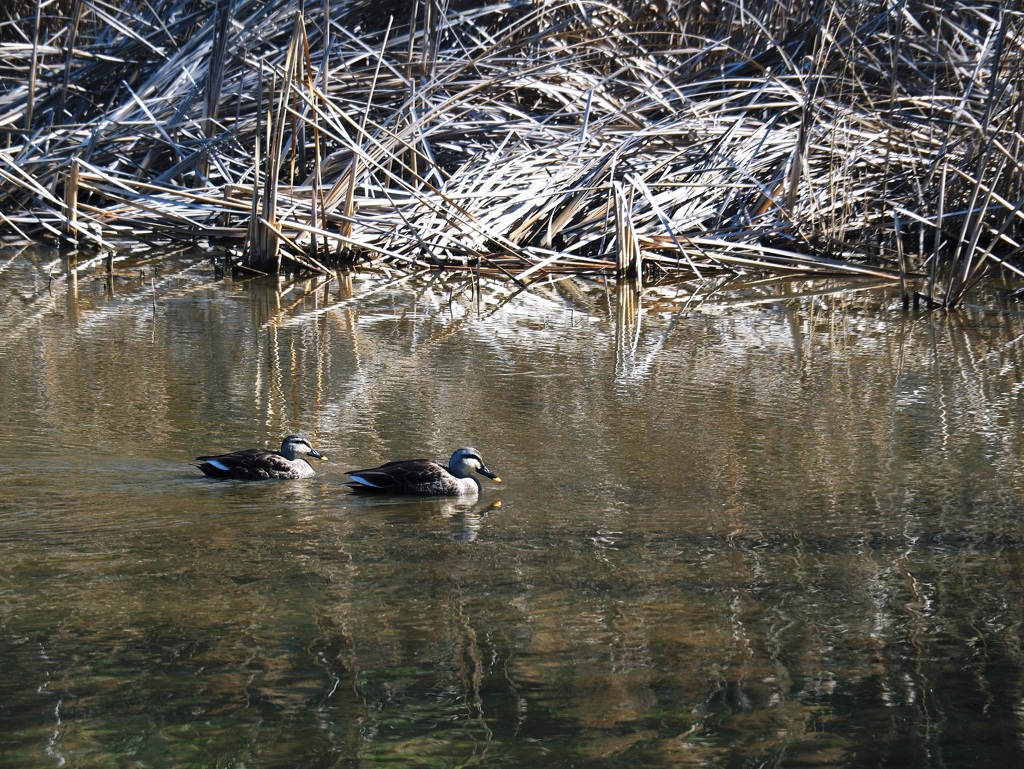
point(496, 479)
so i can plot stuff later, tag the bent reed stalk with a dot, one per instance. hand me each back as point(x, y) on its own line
point(664, 138)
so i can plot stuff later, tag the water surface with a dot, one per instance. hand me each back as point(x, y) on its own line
point(776, 527)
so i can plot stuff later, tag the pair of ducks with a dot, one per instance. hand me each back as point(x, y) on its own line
point(419, 477)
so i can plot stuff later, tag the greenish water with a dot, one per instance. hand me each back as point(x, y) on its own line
point(781, 528)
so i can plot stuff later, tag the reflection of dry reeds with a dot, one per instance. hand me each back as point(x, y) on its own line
point(581, 137)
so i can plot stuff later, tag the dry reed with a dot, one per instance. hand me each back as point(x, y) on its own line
point(522, 139)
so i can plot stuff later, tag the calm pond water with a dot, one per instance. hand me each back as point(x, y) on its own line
point(776, 526)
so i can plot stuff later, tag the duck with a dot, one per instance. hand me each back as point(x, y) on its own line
point(424, 477)
point(264, 464)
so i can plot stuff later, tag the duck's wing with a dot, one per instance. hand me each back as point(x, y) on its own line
point(248, 465)
point(401, 475)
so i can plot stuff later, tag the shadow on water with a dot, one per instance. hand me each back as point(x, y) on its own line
point(774, 525)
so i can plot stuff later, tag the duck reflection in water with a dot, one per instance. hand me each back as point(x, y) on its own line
point(264, 464)
point(460, 519)
point(424, 477)
point(466, 521)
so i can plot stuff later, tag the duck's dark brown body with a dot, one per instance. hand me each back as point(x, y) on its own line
point(263, 464)
point(424, 477)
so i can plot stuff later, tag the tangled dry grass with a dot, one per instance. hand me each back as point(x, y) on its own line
point(527, 136)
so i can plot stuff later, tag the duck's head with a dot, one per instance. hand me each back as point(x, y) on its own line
point(294, 446)
point(468, 460)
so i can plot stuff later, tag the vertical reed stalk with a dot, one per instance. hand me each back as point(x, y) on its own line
point(317, 212)
point(628, 256)
point(977, 212)
point(34, 70)
point(265, 248)
point(254, 246)
point(76, 18)
point(70, 229)
point(940, 216)
point(901, 260)
point(215, 72)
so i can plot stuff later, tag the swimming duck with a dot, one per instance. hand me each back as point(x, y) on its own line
point(424, 477)
point(264, 464)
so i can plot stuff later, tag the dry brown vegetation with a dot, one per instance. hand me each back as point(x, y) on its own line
point(526, 137)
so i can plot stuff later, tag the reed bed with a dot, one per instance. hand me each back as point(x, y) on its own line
point(525, 138)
